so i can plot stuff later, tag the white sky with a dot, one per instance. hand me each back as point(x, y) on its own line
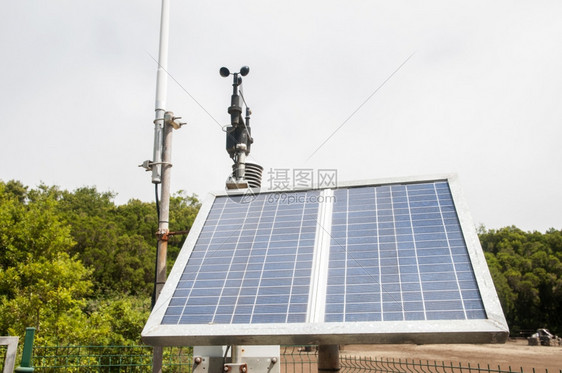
point(481, 96)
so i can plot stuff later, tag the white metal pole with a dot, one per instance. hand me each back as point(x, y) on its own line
point(163, 225)
point(236, 354)
point(161, 91)
point(160, 108)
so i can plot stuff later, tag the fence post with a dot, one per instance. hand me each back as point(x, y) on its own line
point(328, 358)
point(11, 344)
point(26, 363)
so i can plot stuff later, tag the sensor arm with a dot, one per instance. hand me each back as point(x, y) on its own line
point(238, 134)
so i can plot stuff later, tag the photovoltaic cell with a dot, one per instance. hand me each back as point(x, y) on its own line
point(361, 263)
point(251, 263)
point(397, 253)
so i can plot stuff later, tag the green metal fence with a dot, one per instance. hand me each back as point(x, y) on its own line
point(299, 359)
point(108, 359)
point(303, 359)
point(294, 359)
point(352, 364)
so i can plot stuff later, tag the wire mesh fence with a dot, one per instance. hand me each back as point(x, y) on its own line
point(353, 364)
point(108, 359)
point(3, 350)
point(294, 359)
point(299, 359)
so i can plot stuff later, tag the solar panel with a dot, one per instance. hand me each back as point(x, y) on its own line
point(377, 262)
point(251, 264)
point(397, 253)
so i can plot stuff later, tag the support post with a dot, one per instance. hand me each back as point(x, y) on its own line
point(236, 354)
point(328, 358)
point(157, 357)
point(163, 230)
point(163, 224)
point(161, 90)
point(26, 365)
point(161, 170)
point(11, 344)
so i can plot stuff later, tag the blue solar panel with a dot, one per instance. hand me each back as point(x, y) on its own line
point(397, 253)
point(251, 263)
point(367, 263)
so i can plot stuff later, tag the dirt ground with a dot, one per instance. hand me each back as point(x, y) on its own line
point(515, 353)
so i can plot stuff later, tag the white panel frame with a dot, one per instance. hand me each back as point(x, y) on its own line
point(321, 259)
point(491, 330)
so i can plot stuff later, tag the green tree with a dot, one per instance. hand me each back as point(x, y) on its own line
point(183, 211)
point(116, 320)
point(40, 283)
point(114, 241)
point(527, 271)
point(76, 266)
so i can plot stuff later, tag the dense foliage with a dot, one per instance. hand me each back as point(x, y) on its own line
point(76, 266)
point(80, 268)
point(527, 270)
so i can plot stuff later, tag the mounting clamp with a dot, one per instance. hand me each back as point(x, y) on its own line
point(242, 367)
point(170, 119)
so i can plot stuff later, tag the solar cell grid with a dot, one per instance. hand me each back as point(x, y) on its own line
point(403, 237)
point(317, 262)
point(244, 267)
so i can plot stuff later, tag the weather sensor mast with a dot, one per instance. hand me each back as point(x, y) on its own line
point(239, 137)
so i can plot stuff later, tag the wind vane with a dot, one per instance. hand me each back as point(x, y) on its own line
point(239, 137)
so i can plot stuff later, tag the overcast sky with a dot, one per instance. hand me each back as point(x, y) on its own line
point(480, 95)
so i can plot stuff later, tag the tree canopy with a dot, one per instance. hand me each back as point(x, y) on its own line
point(78, 267)
point(527, 271)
